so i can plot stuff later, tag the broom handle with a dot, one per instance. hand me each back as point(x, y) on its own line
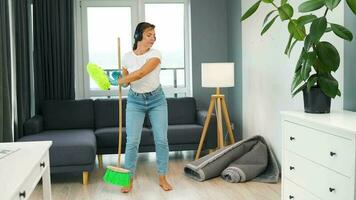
point(120, 106)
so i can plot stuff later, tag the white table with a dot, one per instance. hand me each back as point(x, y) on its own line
point(21, 170)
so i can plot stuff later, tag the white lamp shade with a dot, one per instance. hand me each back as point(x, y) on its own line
point(217, 74)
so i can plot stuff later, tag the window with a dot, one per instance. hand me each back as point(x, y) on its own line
point(102, 37)
point(99, 23)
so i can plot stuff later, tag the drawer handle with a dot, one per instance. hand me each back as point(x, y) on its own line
point(291, 138)
point(291, 168)
point(42, 164)
point(332, 154)
point(23, 194)
point(331, 189)
point(291, 197)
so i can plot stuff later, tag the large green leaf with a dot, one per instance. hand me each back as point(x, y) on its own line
point(352, 5)
point(308, 43)
point(299, 89)
point(268, 25)
point(331, 4)
point(328, 29)
point(341, 31)
point(251, 10)
point(297, 31)
point(321, 67)
point(311, 81)
point(328, 55)
point(328, 84)
point(306, 66)
point(283, 2)
point(288, 44)
point(297, 79)
point(317, 28)
point(268, 1)
point(267, 16)
point(303, 20)
point(285, 11)
point(310, 5)
point(300, 60)
point(291, 47)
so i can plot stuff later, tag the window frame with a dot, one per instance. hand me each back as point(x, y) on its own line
point(82, 82)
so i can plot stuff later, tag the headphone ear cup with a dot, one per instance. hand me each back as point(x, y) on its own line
point(136, 36)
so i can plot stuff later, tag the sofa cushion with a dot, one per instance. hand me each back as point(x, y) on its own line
point(107, 113)
point(70, 147)
point(184, 134)
point(181, 110)
point(68, 114)
point(108, 137)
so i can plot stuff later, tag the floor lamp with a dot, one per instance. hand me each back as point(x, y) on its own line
point(217, 75)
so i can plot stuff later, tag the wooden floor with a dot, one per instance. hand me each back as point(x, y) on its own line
point(146, 184)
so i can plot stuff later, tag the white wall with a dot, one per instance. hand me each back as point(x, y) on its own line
point(268, 73)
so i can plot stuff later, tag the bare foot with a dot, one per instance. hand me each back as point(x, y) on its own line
point(128, 188)
point(164, 183)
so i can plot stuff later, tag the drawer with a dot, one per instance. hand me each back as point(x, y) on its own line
point(44, 162)
point(326, 149)
point(29, 184)
point(318, 180)
point(32, 180)
point(292, 191)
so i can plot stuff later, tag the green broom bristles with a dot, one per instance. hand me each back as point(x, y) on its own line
point(117, 176)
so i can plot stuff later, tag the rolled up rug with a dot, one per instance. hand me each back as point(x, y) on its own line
point(248, 166)
point(212, 165)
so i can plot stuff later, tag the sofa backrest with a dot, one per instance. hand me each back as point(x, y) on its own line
point(68, 114)
point(107, 112)
point(181, 110)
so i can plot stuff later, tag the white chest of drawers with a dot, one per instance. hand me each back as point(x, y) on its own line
point(21, 170)
point(318, 156)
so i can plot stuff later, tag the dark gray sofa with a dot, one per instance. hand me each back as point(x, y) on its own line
point(81, 129)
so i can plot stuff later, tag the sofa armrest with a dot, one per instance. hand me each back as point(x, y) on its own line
point(201, 117)
point(33, 125)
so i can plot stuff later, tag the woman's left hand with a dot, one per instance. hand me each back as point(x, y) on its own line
point(121, 82)
point(124, 71)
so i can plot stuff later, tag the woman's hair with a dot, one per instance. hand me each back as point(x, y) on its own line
point(140, 28)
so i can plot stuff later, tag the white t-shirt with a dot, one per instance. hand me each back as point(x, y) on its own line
point(134, 62)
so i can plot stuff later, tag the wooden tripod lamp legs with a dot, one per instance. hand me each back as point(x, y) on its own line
point(220, 100)
point(206, 125)
point(227, 121)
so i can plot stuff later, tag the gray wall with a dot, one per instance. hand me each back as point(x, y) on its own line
point(234, 55)
point(350, 63)
point(209, 42)
point(216, 37)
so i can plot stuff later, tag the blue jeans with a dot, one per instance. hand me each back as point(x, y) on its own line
point(155, 104)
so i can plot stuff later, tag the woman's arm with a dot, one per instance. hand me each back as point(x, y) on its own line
point(148, 67)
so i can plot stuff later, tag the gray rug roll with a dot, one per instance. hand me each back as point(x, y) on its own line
point(248, 166)
point(214, 164)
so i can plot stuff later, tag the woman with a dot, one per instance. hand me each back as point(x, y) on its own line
point(141, 69)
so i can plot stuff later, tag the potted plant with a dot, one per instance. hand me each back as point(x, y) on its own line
point(318, 58)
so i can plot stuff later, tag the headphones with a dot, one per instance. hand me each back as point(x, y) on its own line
point(140, 29)
point(138, 32)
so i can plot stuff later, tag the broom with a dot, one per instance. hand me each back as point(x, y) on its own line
point(116, 175)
